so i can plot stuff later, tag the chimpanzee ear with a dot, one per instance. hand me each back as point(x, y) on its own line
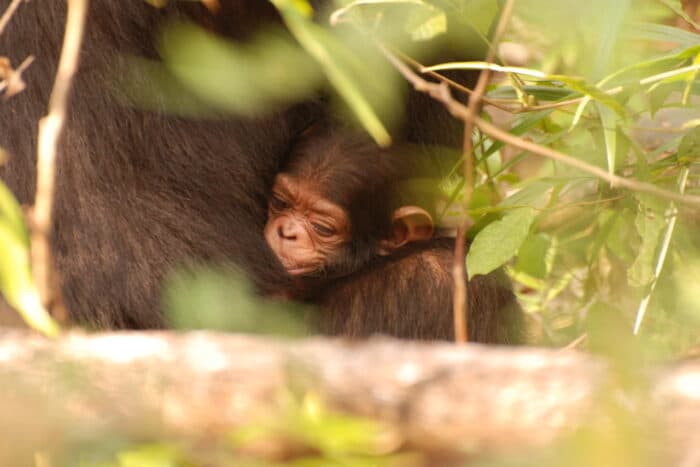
point(410, 224)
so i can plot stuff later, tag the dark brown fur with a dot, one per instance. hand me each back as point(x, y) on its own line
point(140, 192)
point(409, 295)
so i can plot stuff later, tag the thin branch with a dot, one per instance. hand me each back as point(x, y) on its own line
point(454, 84)
point(461, 293)
point(461, 275)
point(49, 131)
point(576, 343)
point(441, 92)
point(8, 14)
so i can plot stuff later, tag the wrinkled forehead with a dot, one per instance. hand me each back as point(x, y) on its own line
point(305, 195)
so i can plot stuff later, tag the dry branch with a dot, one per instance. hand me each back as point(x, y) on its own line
point(50, 128)
point(436, 396)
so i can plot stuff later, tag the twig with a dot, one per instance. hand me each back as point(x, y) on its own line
point(461, 275)
point(441, 92)
point(461, 294)
point(49, 131)
point(454, 84)
point(576, 342)
point(8, 14)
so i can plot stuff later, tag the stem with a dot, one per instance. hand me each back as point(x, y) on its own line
point(461, 275)
point(8, 14)
point(49, 131)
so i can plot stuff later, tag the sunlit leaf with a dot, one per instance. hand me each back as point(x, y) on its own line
point(533, 254)
point(611, 23)
point(690, 80)
point(326, 50)
point(594, 93)
point(224, 300)
point(151, 455)
point(11, 213)
point(609, 123)
point(574, 83)
point(689, 147)
point(499, 241)
point(652, 66)
point(16, 281)
point(520, 71)
point(541, 93)
point(649, 226)
point(247, 79)
point(664, 33)
point(424, 20)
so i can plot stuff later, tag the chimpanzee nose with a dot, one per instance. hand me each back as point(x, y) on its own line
point(287, 231)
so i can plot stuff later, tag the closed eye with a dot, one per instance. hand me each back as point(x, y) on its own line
point(323, 230)
point(277, 203)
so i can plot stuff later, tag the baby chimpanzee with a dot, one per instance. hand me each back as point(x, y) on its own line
point(332, 206)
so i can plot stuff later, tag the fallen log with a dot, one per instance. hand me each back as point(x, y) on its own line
point(434, 396)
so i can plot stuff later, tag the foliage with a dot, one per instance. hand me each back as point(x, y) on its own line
point(579, 240)
point(616, 90)
point(309, 435)
point(16, 282)
point(205, 298)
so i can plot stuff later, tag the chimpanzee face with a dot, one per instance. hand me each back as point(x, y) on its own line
point(306, 231)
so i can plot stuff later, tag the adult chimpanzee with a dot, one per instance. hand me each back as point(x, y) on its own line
point(140, 192)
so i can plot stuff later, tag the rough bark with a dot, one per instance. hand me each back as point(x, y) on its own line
point(435, 396)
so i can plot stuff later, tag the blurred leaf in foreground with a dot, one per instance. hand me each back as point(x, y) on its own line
point(241, 78)
point(16, 281)
point(223, 300)
point(347, 67)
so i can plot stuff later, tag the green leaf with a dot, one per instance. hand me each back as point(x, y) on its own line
point(533, 254)
point(224, 300)
point(520, 71)
point(574, 83)
point(689, 147)
point(663, 33)
point(11, 213)
point(652, 66)
point(649, 225)
point(499, 241)
point(609, 124)
point(425, 25)
point(611, 23)
point(16, 281)
point(271, 70)
point(542, 93)
point(593, 92)
point(690, 79)
point(424, 20)
point(523, 125)
point(535, 193)
point(329, 53)
point(151, 455)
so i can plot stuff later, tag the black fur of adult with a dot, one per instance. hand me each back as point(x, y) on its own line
point(140, 192)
